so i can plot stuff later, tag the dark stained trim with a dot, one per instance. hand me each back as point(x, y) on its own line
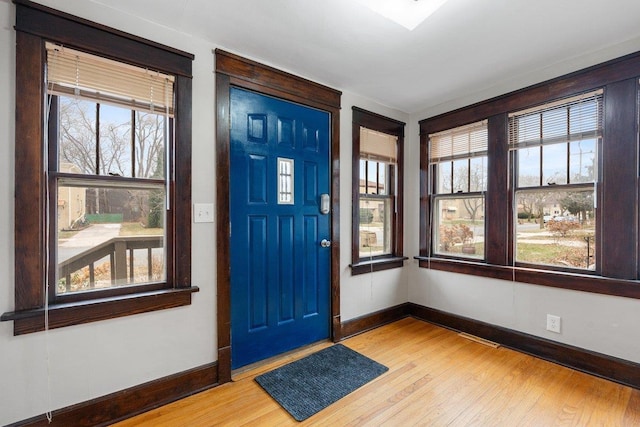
point(223, 244)
point(424, 235)
point(377, 264)
point(64, 28)
point(619, 181)
point(377, 122)
point(76, 313)
point(180, 230)
point(29, 257)
point(497, 223)
point(129, 402)
point(250, 74)
point(554, 279)
point(235, 71)
point(371, 321)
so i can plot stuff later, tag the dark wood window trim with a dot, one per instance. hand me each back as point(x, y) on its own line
point(376, 122)
point(236, 71)
point(34, 25)
point(618, 205)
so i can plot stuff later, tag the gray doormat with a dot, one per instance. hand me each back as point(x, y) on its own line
point(308, 385)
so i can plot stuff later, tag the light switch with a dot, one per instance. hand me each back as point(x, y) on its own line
point(203, 212)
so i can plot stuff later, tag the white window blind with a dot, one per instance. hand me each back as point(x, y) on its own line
point(462, 142)
point(571, 119)
point(75, 73)
point(378, 146)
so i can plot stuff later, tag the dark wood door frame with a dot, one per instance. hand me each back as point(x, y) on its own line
point(233, 70)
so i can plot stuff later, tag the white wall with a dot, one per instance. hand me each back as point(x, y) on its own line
point(601, 323)
point(88, 361)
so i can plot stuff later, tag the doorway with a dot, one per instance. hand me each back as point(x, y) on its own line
point(233, 71)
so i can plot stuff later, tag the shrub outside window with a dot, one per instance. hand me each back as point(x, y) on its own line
point(458, 163)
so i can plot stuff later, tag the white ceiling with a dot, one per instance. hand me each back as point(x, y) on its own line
point(467, 49)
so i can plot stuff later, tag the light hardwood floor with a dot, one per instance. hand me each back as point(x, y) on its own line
point(435, 378)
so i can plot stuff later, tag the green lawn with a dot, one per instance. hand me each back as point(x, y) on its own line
point(66, 234)
point(137, 229)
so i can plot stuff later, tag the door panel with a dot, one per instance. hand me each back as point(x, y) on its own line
point(280, 275)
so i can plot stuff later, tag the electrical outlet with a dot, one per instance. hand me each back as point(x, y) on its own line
point(203, 212)
point(553, 323)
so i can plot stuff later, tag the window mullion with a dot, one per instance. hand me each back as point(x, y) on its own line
point(97, 139)
point(133, 143)
point(452, 177)
point(569, 145)
point(541, 165)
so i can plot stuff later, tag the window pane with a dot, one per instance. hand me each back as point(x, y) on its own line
point(478, 174)
point(582, 161)
point(554, 164)
point(556, 228)
point(444, 177)
point(383, 183)
point(363, 176)
point(77, 152)
point(285, 180)
point(375, 226)
point(372, 177)
point(109, 237)
point(529, 167)
point(115, 141)
point(150, 139)
point(461, 175)
point(459, 227)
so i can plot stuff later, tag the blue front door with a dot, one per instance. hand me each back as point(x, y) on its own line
point(280, 273)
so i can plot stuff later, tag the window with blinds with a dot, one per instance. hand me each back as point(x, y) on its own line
point(555, 161)
point(556, 143)
point(112, 134)
point(377, 189)
point(458, 160)
point(378, 161)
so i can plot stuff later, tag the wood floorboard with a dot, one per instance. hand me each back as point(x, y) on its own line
point(632, 414)
point(435, 378)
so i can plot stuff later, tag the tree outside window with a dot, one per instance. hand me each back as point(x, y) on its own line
point(458, 162)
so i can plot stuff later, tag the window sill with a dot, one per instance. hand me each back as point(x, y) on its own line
point(75, 313)
point(556, 279)
point(368, 266)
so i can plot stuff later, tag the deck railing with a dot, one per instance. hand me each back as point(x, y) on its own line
point(116, 248)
